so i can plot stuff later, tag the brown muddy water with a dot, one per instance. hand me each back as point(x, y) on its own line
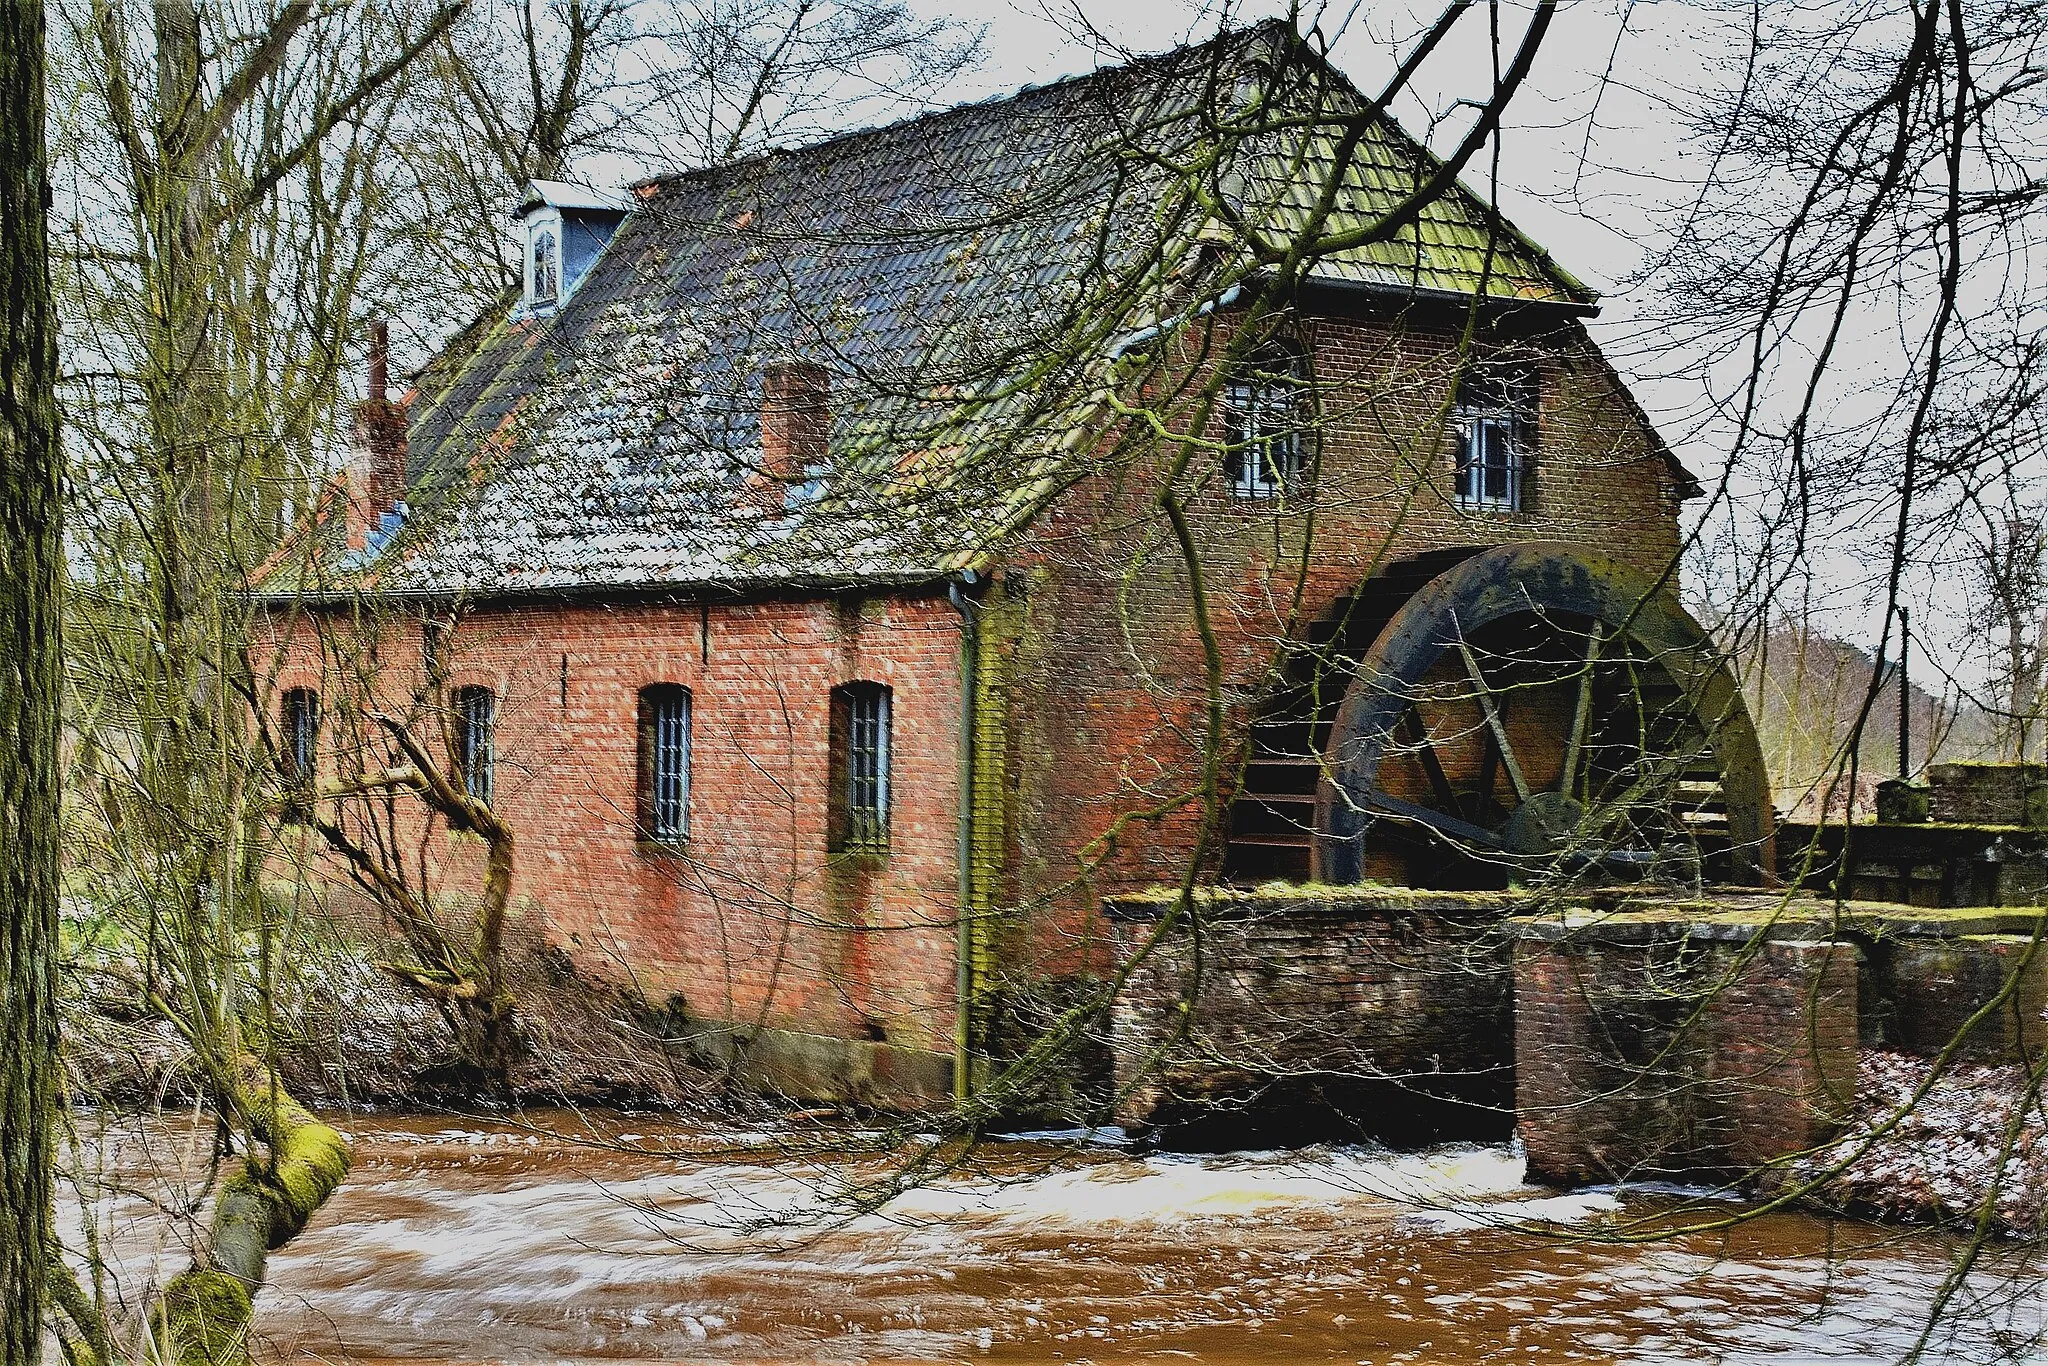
point(467, 1240)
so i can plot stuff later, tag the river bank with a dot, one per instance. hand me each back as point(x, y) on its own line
point(1967, 1149)
point(347, 1035)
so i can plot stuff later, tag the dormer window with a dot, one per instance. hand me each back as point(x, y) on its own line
point(546, 266)
point(566, 229)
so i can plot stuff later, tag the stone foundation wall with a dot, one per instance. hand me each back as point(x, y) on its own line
point(1668, 1056)
point(1653, 1037)
point(1382, 1009)
point(1930, 991)
point(1988, 794)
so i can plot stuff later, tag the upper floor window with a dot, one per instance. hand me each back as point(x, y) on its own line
point(299, 715)
point(546, 265)
point(664, 787)
point(859, 817)
point(1265, 408)
point(1493, 429)
point(475, 722)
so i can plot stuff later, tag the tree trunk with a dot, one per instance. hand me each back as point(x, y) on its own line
point(30, 463)
point(203, 1317)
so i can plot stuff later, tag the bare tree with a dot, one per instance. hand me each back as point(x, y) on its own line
point(31, 467)
point(2009, 596)
point(520, 92)
point(221, 166)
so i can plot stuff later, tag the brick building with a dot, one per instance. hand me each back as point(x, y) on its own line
point(846, 566)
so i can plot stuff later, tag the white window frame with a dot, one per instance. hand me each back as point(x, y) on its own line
point(543, 224)
point(1263, 414)
point(1493, 427)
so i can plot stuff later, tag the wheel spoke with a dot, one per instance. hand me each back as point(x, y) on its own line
point(1432, 767)
point(1567, 777)
point(1489, 771)
point(1388, 804)
point(1500, 731)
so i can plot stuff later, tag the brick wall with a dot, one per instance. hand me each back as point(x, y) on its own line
point(1378, 1009)
point(1670, 1055)
point(1101, 676)
point(751, 921)
point(1109, 694)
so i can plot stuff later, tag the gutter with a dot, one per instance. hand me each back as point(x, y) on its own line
point(970, 609)
point(1120, 348)
point(678, 590)
point(1397, 293)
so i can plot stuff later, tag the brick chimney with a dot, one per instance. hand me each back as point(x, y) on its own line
point(378, 474)
point(796, 423)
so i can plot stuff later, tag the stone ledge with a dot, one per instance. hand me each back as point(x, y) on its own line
point(1356, 901)
point(1748, 916)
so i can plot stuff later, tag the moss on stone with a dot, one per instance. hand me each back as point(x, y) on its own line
point(1275, 893)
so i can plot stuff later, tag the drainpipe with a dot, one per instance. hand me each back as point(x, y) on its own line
point(969, 609)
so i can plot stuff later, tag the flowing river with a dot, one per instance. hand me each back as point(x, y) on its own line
point(465, 1240)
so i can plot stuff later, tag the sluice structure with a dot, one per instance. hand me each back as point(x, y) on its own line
point(1623, 1033)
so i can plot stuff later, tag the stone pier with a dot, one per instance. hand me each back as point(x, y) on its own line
point(1641, 1036)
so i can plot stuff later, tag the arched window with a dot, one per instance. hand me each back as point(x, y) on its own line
point(858, 820)
point(475, 722)
point(1266, 416)
point(1494, 431)
point(299, 719)
point(547, 266)
point(664, 786)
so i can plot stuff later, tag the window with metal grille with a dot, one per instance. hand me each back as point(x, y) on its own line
point(300, 718)
point(665, 763)
point(1493, 431)
point(860, 767)
point(1265, 407)
point(475, 720)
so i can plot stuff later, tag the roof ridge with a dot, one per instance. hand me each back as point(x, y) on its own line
point(987, 102)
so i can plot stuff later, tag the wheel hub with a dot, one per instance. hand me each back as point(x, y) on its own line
point(1542, 825)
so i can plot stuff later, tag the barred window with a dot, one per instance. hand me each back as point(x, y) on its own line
point(664, 763)
point(300, 718)
point(1265, 411)
point(1494, 434)
point(475, 723)
point(860, 767)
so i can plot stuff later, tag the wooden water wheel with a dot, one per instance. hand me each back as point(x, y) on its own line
point(1526, 711)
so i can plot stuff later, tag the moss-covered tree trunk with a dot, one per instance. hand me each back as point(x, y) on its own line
point(204, 1314)
point(29, 549)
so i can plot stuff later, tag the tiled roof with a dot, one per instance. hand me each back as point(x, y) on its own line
point(961, 274)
